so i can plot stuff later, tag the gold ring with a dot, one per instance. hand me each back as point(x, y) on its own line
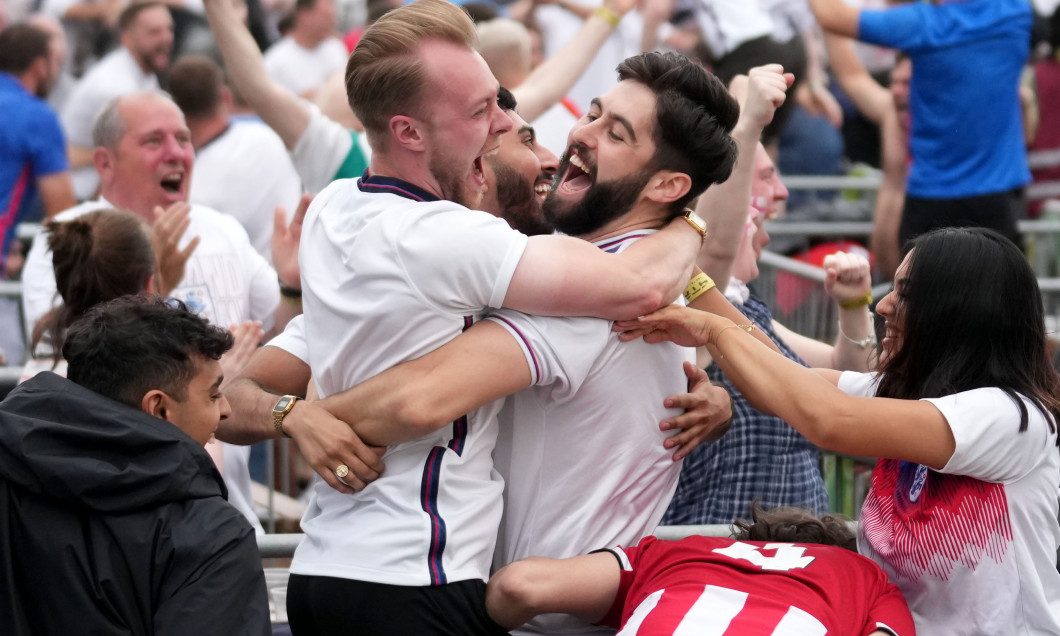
point(341, 471)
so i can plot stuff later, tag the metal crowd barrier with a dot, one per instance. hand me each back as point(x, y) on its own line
point(282, 546)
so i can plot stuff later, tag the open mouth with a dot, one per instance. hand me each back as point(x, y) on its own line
point(542, 189)
point(172, 182)
point(477, 174)
point(578, 177)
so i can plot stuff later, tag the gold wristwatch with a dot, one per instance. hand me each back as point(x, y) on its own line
point(696, 221)
point(280, 411)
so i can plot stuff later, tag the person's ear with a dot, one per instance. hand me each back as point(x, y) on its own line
point(226, 98)
point(408, 133)
point(104, 163)
point(40, 68)
point(155, 402)
point(667, 186)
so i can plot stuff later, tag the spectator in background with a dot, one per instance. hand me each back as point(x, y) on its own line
point(321, 149)
point(889, 110)
point(146, 31)
point(32, 150)
point(243, 169)
point(119, 507)
point(145, 160)
point(32, 156)
point(309, 52)
point(97, 257)
point(969, 162)
point(1043, 156)
point(786, 572)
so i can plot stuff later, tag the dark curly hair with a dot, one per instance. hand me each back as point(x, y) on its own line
point(795, 525)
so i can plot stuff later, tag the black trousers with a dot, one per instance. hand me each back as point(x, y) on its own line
point(343, 607)
point(999, 211)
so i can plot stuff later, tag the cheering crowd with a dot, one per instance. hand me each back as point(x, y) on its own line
point(503, 302)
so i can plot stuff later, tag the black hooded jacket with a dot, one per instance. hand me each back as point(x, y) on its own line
point(113, 521)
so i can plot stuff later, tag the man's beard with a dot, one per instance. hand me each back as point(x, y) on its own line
point(603, 202)
point(520, 204)
point(148, 57)
point(452, 185)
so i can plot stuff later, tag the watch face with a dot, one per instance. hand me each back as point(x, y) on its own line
point(282, 404)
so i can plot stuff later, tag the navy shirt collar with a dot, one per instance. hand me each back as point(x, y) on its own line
point(376, 183)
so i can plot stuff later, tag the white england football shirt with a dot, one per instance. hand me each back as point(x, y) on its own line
point(581, 450)
point(390, 274)
point(972, 546)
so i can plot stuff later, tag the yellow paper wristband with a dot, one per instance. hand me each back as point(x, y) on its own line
point(699, 285)
point(608, 15)
point(854, 303)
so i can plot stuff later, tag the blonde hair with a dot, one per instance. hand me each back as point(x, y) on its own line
point(383, 75)
point(506, 47)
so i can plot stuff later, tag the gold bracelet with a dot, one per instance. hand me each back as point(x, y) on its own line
point(699, 285)
point(854, 303)
point(608, 15)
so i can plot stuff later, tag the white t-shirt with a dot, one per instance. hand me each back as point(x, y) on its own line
point(391, 276)
point(245, 173)
point(972, 546)
point(115, 75)
point(323, 149)
point(299, 69)
point(225, 280)
point(580, 451)
point(726, 24)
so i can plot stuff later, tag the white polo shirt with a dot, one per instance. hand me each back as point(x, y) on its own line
point(390, 274)
point(580, 450)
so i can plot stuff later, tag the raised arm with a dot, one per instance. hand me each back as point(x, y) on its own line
point(836, 16)
point(848, 281)
point(890, 198)
point(565, 276)
point(869, 97)
point(420, 396)
point(585, 586)
point(550, 81)
point(912, 430)
point(724, 206)
point(282, 110)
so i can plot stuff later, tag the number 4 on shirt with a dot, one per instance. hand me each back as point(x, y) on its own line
point(786, 557)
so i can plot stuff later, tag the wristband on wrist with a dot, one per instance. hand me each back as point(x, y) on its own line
point(699, 285)
point(608, 15)
point(864, 343)
point(854, 303)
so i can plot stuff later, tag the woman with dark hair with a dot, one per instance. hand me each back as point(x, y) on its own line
point(962, 512)
point(98, 257)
